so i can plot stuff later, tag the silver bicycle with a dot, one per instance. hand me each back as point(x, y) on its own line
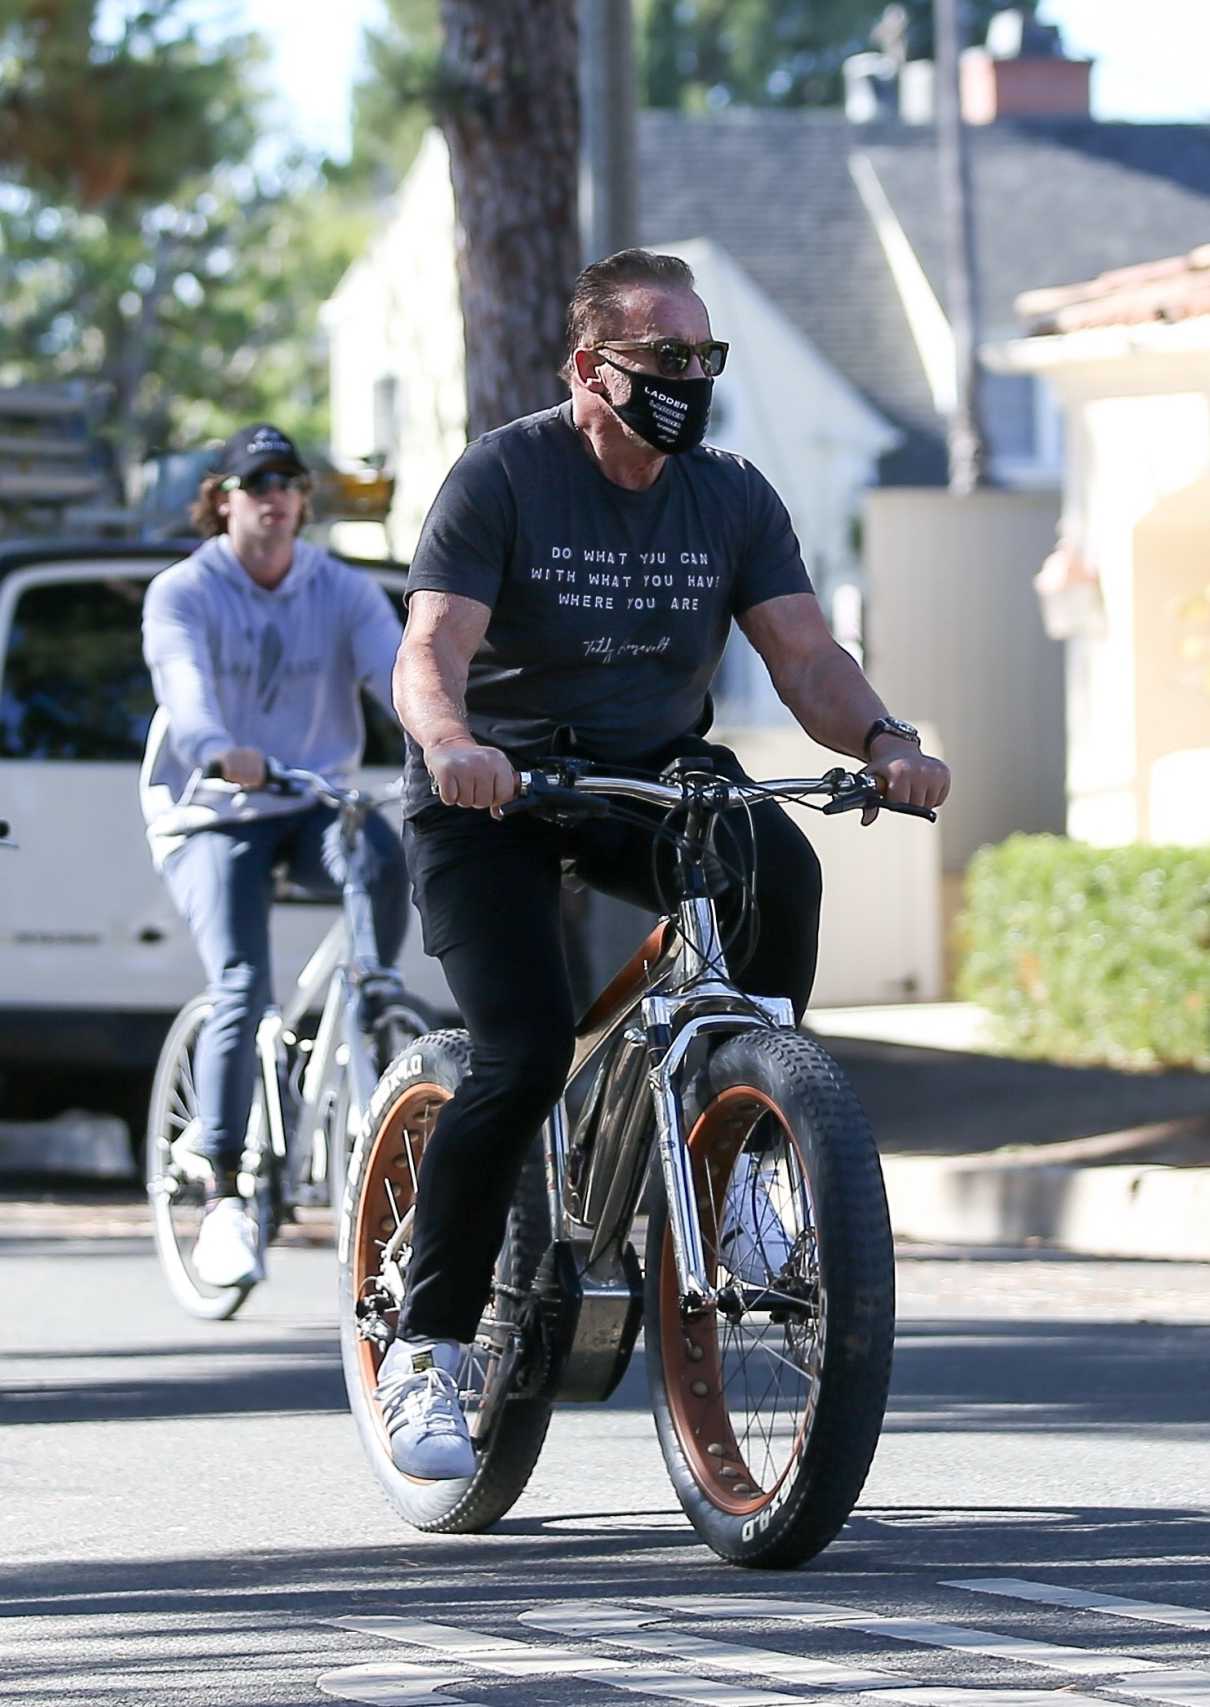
point(768, 1291)
point(318, 1057)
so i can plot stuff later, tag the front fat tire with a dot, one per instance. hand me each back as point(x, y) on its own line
point(786, 1524)
point(399, 1120)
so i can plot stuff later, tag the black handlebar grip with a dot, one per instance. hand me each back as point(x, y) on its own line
point(551, 798)
point(912, 811)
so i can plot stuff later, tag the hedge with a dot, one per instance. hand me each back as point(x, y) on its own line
point(1091, 955)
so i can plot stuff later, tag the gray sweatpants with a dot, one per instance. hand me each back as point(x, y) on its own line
point(221, 882)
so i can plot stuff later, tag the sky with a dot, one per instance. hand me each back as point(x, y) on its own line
point(1152, 57)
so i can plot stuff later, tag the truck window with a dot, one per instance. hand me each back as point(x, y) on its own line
point(74, 685)
point(384, 737)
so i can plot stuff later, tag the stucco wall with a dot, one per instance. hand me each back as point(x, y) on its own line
point(1133, 453)
point(1172, 660)
point(954, 637)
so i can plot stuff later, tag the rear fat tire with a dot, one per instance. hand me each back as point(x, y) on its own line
point(792, 1520)
point(402, 1111)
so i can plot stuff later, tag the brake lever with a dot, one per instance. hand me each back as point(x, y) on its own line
point(859, 797)
point(277, 782)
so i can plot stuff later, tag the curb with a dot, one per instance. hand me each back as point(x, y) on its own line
point(1133, 1210)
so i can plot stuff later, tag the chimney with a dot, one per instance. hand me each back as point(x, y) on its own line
point(1022, 73)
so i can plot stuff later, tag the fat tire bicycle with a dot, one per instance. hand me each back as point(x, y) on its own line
point(768, 1287)
point(313, 1085)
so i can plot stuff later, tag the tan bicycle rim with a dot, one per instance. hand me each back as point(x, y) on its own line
point(388, 1192)
point(734, 1476)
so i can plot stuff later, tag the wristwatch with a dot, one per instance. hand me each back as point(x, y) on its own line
point(890, 726)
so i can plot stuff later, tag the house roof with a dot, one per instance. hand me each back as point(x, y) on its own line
point(1053, 201)
point(1174, 289)
point(773, 188)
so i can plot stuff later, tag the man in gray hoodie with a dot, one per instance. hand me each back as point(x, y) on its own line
point(258, 645)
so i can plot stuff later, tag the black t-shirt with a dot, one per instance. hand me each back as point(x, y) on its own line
point(610, 608)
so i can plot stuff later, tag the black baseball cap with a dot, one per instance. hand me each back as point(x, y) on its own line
point(256, 447)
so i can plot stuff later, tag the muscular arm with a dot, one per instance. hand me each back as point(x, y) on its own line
point(816, 679)
point(443, 633)
point(825, 690)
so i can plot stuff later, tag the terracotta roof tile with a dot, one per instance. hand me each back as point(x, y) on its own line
point(1176, 288)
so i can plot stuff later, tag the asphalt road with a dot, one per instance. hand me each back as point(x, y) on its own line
point(185, 1517)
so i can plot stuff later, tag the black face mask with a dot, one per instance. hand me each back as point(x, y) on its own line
point(671, 414)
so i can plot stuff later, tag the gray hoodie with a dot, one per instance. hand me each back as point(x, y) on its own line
point(238, 665)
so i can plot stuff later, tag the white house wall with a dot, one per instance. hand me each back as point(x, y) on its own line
point(1134, 450)
point(355, 320)
point(405, 326)
point(780, 403)
point(1137, 406)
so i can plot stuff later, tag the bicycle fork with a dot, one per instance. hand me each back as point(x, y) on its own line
point(676, 1164)
point(713, 1005)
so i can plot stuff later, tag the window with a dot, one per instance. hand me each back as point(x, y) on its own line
point(1006, 403)
point(386, 416)
point(74, 684)
point(384, 737)
point(1023, 428)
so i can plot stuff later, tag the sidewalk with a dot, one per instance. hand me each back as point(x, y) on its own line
point(979, 1149)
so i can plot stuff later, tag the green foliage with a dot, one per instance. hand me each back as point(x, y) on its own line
point(393, 104)
point(1090, 954)
point(105, 120)
point(702, 55)
point(179, 277)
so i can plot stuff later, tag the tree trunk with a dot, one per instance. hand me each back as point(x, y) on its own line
point(511, 118)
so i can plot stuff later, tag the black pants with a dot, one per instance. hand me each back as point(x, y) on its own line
point(488, 895)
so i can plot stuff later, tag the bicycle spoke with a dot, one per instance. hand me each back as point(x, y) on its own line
point(757, 1226)
point(187, 1079)
point(407, 1156)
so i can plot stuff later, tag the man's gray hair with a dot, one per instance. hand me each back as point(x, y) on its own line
point(596, 301)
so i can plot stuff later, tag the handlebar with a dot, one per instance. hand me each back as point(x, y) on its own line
point(294, 780)
point(564, 788)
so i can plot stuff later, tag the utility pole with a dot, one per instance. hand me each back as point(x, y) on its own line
point(608, 190)
point(965, 436)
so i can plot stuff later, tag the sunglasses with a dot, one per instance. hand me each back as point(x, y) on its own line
point(266, 480)
point(672, 356)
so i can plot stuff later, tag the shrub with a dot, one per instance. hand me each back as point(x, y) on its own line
point(1091, 954)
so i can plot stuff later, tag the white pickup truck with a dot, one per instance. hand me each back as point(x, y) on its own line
point(93, 958)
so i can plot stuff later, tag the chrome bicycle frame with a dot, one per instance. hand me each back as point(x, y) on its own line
point(679, 991)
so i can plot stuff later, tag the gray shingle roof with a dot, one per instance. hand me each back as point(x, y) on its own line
point(1055, 202)
point(1059, 203)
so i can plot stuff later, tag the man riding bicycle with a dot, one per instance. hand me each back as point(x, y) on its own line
point(258, 644)
point(572, 591)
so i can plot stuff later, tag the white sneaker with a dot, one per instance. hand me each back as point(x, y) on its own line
point(227, 1251)
point(753, 1238)
point(417, 1390)
point(186, 1159)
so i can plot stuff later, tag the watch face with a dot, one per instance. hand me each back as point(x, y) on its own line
point(892, 726)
